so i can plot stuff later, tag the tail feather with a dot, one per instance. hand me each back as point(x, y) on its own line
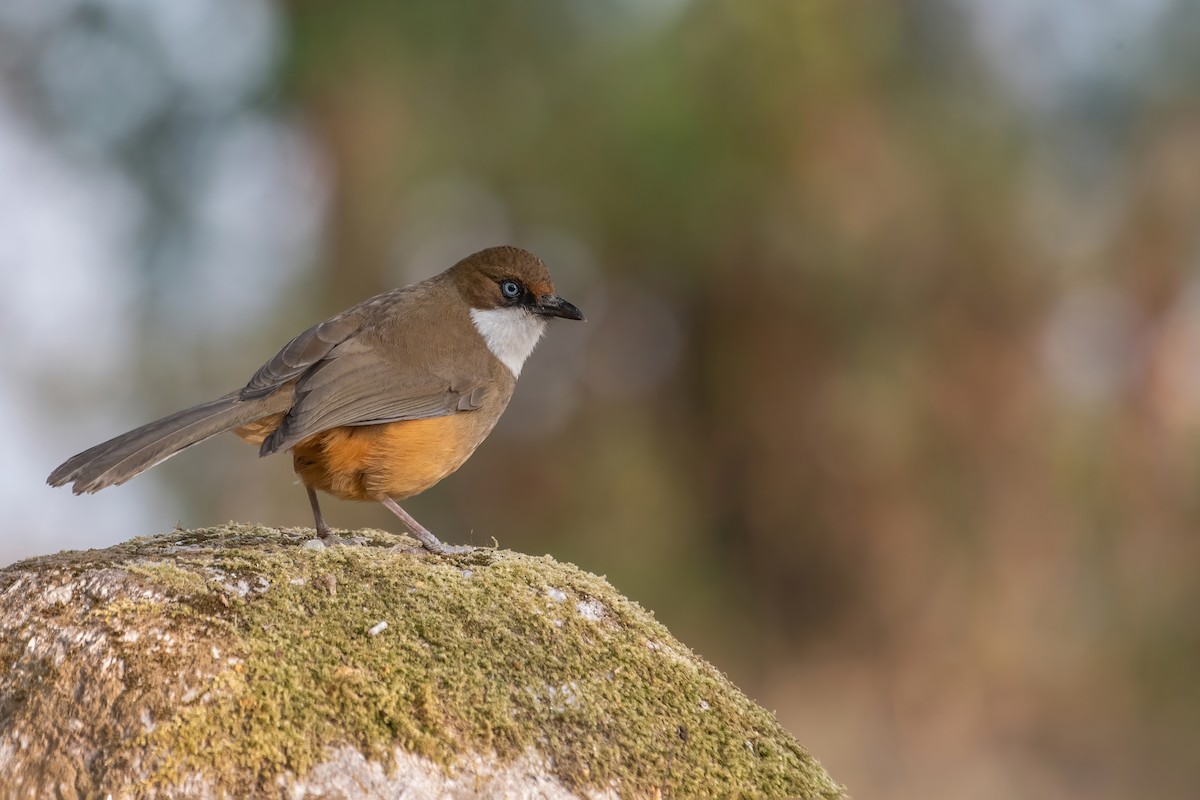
point(113, 462)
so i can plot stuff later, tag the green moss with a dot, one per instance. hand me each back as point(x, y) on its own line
point(492, 651)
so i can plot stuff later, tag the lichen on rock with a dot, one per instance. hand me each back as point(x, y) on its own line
point(234, 661)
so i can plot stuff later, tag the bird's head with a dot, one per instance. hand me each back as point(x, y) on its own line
point(511, 297)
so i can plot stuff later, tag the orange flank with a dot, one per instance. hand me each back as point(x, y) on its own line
point(396, 459)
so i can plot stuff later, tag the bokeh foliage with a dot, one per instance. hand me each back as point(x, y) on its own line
point(858, 470)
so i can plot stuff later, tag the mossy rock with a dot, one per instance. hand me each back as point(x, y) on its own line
point(236, 662)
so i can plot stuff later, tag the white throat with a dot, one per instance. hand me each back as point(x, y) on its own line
point(510, 333)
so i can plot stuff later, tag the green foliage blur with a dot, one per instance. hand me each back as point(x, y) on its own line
point(866, 482)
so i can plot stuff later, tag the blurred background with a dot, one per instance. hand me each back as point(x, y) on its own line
point(889, 399)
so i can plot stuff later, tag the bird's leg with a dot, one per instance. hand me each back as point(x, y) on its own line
point(325, 536)
point(432, 543)
point(323, 531)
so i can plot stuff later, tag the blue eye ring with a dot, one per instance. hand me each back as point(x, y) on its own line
point(510, 289)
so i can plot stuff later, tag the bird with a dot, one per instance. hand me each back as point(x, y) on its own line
point(377, 403)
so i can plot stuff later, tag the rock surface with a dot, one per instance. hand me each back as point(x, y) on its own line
point(236, 662)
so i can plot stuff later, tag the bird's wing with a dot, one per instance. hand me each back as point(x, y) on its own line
point(302, 354)
point(356, 385)
point(342, 375)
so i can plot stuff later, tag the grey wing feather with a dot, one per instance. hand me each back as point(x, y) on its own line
point(353, 385)
point(301, 354)
point(372, 400)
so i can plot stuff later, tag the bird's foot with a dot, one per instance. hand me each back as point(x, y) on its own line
point(434, 545)
point(327, 538)
point(430, 542)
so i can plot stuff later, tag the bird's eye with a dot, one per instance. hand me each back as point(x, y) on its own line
point(510, 289)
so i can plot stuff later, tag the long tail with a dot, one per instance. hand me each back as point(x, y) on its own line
point(119, 459)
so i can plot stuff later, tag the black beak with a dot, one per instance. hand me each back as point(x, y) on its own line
point(554, 306)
